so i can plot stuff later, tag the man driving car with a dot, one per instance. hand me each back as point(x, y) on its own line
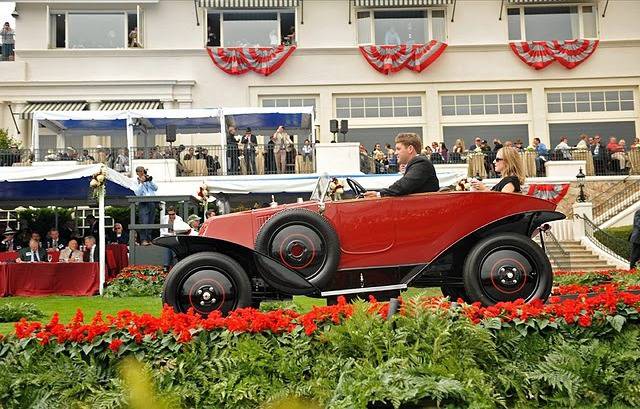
point(419, 176)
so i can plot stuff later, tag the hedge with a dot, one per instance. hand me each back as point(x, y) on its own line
point(621, 246)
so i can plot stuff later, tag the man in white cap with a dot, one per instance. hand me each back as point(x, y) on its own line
point(8, 243)
point(194, 222)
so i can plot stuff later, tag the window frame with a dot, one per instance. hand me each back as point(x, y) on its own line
point(470, 117)
point(315, 106)
point(220, 13)
point(579, 5)
point(376, 120)
point(619, 113)
point(138, 11)
point(372, 24)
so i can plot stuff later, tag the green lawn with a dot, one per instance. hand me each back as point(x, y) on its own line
point(66, 306)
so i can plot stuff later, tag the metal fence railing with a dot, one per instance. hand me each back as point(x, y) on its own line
point(300, 158)
point(621, 196)
point(613, 246)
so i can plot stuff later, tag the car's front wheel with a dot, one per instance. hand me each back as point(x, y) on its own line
point(506, 267)
point(207, 282)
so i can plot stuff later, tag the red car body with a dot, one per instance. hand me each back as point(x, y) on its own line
point(385, 244)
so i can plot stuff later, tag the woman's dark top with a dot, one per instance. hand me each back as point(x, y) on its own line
point(505, 181)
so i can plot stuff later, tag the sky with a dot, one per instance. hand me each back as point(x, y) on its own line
point(6, 7)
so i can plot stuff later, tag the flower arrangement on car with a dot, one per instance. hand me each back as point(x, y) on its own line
point(203, 193)
point(336, 189)
point(98, 182)
point(463, 185)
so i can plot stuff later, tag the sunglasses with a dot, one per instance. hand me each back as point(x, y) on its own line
point(498, 159)
point(171, 214)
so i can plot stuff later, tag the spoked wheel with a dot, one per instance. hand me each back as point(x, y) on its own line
point(302, 241)
point(207, 282)
point(506, 267)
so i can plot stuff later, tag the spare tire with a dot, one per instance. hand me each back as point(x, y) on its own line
point(303, 241)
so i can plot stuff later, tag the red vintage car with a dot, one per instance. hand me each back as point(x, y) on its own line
point(473, 245)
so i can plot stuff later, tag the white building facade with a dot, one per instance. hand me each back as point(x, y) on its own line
point(82, 55)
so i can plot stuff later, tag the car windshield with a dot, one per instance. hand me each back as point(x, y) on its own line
point(321, 187)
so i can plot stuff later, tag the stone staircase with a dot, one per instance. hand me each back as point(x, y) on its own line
point(577, 258)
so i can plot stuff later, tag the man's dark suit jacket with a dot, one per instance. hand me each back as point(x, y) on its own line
point(419, 177)
point(87, 255)
point(635, 233)
point(62, 243)
point(25, 255)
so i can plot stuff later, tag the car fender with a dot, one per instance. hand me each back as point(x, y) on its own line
point(278, 276)
point(524, 223)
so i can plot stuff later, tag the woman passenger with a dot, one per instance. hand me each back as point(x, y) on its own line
point(509, 165)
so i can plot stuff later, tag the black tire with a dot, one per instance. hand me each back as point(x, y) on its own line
point(454, 292)
point(303, 241)
point(506, 267)
point(207, 282)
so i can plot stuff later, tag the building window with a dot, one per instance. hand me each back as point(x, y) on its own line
point(483, 104)
point(621, 129)
point(542, 23)
point(393, 27)
point(379, 107)
point(250, 29)
point(119, 29)
point(510, 132)
point(285, 102)
point(590, 101)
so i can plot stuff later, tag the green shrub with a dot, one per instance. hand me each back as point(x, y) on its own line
point(119, 215)
point(136, 281)
point(41, 220)
point(621, 246)
point(5, 140)
point(11, 312)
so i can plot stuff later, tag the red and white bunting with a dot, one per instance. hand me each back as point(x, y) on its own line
point(393, 58)
point(569, 53)
point(551, 192)
point(238, 61)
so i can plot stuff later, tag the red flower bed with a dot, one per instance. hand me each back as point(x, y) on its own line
point(129, 327)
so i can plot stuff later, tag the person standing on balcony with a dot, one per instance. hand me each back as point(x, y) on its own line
point(146, 210)
point(542, 154)
point(249, 143)
point(634, 238)
point(8, 36)
point(233, 160)
point(282, 143)
point(269, 157)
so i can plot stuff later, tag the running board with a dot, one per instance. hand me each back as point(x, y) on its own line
point(364, 290)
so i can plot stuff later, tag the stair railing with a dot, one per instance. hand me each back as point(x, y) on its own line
point(563, 260)
point(615, 202)
point(604, 241)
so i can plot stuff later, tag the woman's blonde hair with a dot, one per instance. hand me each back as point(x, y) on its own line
point(460, 143)
point(512, 163)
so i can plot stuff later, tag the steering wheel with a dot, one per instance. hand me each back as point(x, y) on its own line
point(357, 188)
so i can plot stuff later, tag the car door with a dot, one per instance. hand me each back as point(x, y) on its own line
point(365, 226)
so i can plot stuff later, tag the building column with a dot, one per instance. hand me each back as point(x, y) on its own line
point(23, 124)
point(538, 109)
point(325, 113)
point(168, 103)
point(431, 111)
point(94, 105)
point(581, 209)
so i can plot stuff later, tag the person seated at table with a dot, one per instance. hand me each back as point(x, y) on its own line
point(32, 254)
point(91, 253)
point(509, 165)
point(118, 236)
point(71, 253)
point(8, 243)
point(194, 222)
point(54, 242)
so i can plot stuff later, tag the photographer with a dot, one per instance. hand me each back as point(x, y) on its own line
point(146, 210)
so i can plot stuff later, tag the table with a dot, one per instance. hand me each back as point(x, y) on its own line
point(34, 279)
point(585, 155)
point(529, 163)
point(476, 165)
point(634, 161)
point(117, 258)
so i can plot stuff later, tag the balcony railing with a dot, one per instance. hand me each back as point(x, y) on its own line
point(213, 160)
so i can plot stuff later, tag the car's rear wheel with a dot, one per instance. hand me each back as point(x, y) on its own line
point(303, 241)
point(207, 282)
point(506, 267)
